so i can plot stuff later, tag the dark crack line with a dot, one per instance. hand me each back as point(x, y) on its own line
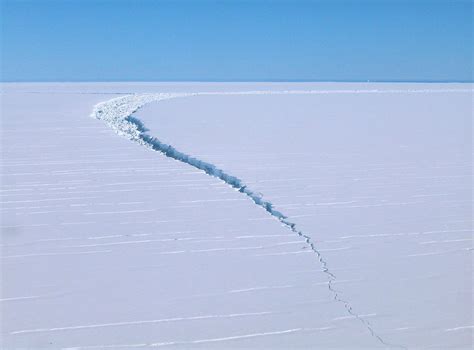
point(236, 183)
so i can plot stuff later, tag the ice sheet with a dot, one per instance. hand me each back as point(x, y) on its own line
point(108, 243)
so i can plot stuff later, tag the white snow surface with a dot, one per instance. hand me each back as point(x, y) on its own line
point(364, 240)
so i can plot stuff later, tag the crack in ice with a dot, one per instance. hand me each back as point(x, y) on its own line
point(117, 114)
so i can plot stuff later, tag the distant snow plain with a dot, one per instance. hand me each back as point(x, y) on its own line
point(236, 215)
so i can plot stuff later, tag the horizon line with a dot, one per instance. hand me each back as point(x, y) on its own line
point(246, 81)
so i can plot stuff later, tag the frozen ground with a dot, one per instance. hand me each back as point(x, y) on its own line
point(108, 242)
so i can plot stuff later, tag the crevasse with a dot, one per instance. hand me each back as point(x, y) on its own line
point(117, 114)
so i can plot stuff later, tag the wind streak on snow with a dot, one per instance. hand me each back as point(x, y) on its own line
point(141, 322)
point(202, 341)
point(117, 113)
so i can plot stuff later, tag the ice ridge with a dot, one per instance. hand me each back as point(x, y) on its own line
point(117, 114)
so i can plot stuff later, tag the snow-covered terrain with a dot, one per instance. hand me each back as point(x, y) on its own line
point(236, 216)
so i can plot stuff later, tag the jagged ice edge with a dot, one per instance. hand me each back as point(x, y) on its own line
point(117, 114)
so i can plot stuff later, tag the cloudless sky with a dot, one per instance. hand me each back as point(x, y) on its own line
point(336, 40)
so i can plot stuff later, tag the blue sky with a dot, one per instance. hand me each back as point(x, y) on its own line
point(141, 40)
